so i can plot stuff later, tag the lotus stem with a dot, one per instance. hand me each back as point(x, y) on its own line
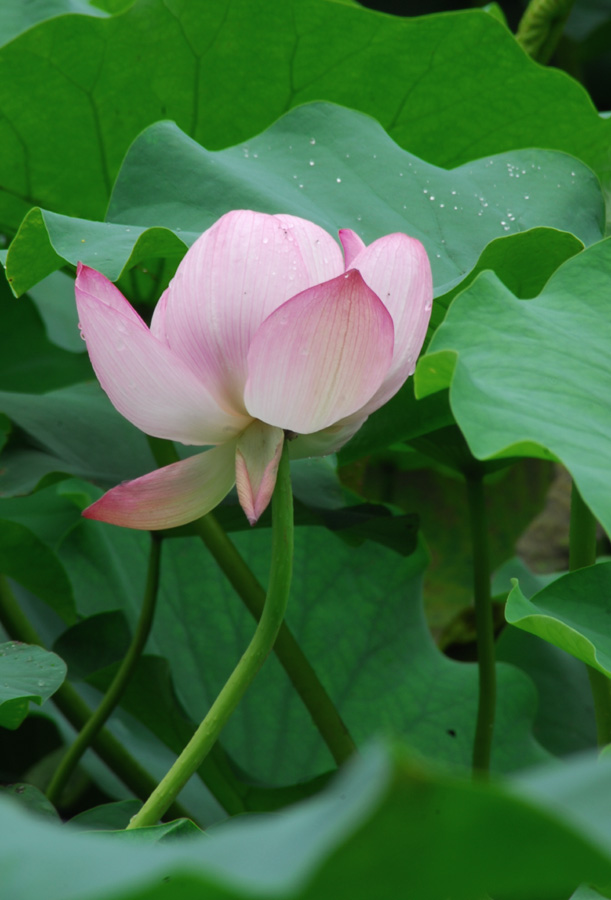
point(482, 746)
point(255, 655)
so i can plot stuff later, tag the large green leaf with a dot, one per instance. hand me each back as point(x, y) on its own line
point(90, 85)
point(25, 558)
point(27, 674)
point(81, 433)
point(385, 822)
point(357, 615)
point(565, 721)
point(17, 16)
point(572, 613)
point(48, 513)
point(29, 362)
point(533, 377)
point(325, 163)
point(523, 262)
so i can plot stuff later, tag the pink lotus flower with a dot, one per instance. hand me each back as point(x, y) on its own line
point(264, 330)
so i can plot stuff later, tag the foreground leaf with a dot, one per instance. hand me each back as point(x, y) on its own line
point(385, 821)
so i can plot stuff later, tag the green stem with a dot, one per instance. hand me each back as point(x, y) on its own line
point(254, 656)
point(120, 681)
point(75, 710)
point(295, 663)
point(582, 553)
point(541, 27)
point(482, 746)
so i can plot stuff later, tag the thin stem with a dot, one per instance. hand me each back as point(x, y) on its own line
point(541, 27)
point(295, 663)
point(120, 681)
point(255, 655)
point(482, 746)
point(75, 710)
point(582, 553)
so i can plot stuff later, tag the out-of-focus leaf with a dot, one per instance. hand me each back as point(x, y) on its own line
point(94, 643)
point(54, 300)
point(31, 798)
point(107, 817)
point(29, 362)
point(29, 561)
point(27, 674)
point(542, 837)
point(79, 427)
point(157, 834)
point(439, 499)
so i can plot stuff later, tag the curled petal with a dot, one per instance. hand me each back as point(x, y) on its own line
point(174, 495)
point(319, 357)
point(397, 268)
point(256, 466)
point(145, 381)
point(230, 280)
point(352, 245)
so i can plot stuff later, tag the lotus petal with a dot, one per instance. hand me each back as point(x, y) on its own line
point(319, 357)
point(171, 496)
point(257, 457)
point(397, 268)
point(231, 279)
point(149, 384)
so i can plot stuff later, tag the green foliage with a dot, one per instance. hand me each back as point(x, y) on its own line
point(303, 159)
point(92, 84)
point(127, 128)
point(546, 834)
point(26, 674)
point(571, 613)
point(510, 400)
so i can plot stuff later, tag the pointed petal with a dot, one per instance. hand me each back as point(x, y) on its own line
point(319, 357)
point(230, 280)
point(256, 466)
point(352, 245)
point(174, 495)
point(145, 381)
point(397, 268)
